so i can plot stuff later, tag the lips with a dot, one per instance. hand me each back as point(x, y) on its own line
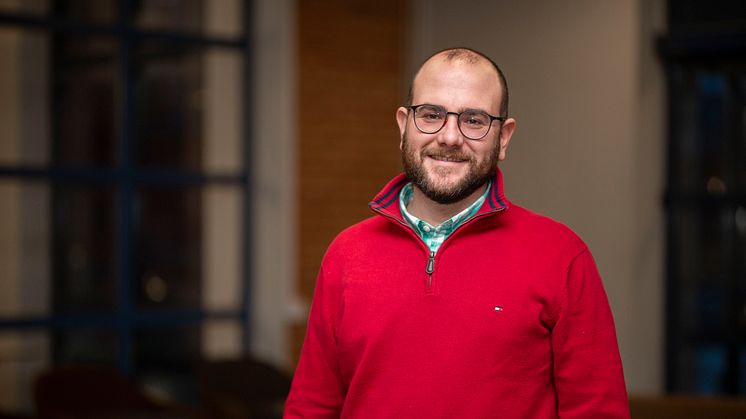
point(448, 158)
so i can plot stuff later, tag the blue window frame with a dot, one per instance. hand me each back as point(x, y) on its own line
point(134, 173)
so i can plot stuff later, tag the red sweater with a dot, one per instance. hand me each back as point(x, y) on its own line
point(513, 322)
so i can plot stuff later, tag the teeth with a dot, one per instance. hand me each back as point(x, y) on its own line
point(443, 158)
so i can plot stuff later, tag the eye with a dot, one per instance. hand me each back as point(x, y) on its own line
point(429, 113)
point(474, 119)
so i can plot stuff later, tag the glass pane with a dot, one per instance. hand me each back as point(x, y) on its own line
point(59, 99)
point(704, 248)
point(85, 106)
point(709, 135)
point(713, 92)
point(84, 248)
point(701, 368)
point(24, 6)
point(710, 368)
point(219, 18)
point(189, 108)
point(222, 339)
point(99, 11)
point(742, 370)
point(89, 346)
point(25, 118)
point(739, 220)
point(25, 261)
point(23, 355)
point(739, 163)
point(701, 137)
point(188, 247)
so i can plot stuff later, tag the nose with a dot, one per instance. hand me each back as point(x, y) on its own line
point(450, 134)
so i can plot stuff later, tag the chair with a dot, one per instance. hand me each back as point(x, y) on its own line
point(82, 392)
point(242, 388)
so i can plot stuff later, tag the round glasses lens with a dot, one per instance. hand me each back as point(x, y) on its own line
point(429, 119)
point(474, 124)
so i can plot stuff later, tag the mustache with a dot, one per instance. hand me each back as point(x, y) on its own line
point(446, 154)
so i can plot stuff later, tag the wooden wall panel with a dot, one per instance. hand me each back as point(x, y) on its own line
point(350, 84)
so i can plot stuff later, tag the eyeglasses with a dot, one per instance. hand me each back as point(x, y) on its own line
point(472, 123)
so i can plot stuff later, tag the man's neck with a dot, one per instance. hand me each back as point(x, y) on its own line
point(435, 213)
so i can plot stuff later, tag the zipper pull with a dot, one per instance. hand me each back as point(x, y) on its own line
point(430, 264)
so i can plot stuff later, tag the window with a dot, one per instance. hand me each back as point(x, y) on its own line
point(705, 58)
point(124, 187)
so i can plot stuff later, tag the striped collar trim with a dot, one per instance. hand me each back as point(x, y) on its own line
point(389, 195)
point(496, 197)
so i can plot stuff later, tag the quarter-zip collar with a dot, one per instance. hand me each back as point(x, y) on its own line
point(387, 201)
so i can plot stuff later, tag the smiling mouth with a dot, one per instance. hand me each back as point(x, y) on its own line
point(454, 159)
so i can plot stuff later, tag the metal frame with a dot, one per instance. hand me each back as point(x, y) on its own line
point(680, 51)
point(125, 178)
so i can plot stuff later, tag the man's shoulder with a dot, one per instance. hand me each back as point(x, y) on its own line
point(544, 228)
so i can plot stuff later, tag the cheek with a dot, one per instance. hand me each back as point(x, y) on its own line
point(483, 152)
point(412, 144)
point(488, 155)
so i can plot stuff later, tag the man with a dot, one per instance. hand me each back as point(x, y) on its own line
point(451, 302)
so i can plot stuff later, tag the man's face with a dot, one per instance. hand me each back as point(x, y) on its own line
point(446, 166)
point(452, 176)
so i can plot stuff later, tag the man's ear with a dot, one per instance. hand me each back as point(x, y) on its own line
point(506, 132)
point(401, 119)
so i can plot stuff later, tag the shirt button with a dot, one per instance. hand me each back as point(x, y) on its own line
point(426, 228)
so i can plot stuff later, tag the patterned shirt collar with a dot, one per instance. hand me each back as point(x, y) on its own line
point(434, 236)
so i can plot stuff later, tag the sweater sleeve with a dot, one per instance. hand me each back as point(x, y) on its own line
point(317, 390)
point(587, 367)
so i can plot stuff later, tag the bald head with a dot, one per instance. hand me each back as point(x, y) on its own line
point(468, 57)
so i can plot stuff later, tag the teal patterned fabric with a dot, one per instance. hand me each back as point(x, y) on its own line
point(434, 236)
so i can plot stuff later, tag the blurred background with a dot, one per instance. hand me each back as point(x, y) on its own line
point(171, 172)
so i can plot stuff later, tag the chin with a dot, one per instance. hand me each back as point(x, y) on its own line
point(452, 175)
point(445, 185)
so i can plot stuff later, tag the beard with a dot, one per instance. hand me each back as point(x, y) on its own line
point(434, 184)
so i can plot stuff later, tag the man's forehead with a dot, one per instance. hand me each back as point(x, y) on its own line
point(439, 76)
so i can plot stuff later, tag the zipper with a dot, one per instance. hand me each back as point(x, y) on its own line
point(429, 268)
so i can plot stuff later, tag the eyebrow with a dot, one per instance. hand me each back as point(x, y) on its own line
point(460, 110)
point(473, 110)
